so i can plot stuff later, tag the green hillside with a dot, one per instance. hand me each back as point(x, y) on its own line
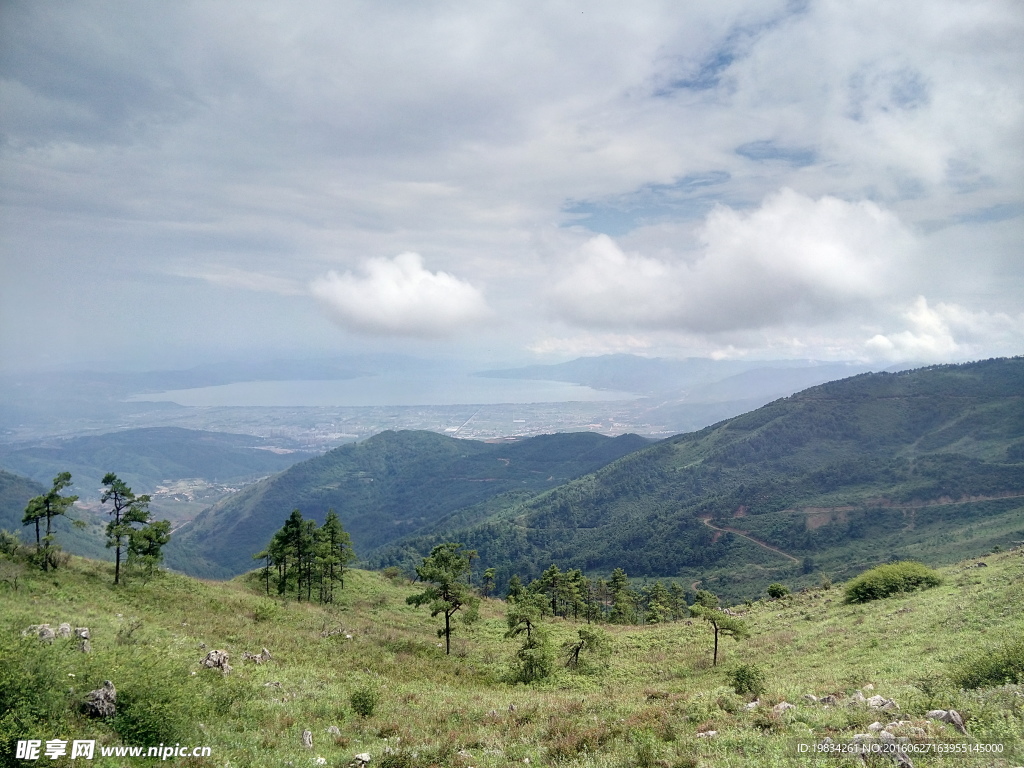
point(15, 492)
point(655, 700)
point(926, 464)
point(388, 486)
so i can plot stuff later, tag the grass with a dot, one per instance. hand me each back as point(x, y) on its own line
point(645, 708)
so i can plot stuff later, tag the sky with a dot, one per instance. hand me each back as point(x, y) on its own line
point(511, 181)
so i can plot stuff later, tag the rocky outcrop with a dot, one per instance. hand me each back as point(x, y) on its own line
point(257, 658)
point(102, 702)
point(950, 716)
point(48, 634)
point(217, 660)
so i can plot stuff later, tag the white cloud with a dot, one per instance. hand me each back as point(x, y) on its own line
point(398, 297)
point(792, 259)
point(949, 332)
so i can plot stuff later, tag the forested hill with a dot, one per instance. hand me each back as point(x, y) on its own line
point(926, 463)
point(15, 492)
point(391, 485)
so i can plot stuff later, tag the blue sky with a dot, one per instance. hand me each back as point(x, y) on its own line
point(183, 182)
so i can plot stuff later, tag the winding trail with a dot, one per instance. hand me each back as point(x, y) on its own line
point(707, 522)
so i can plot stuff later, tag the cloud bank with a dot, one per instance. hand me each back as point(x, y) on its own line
point(399, 297)
point(791, 259)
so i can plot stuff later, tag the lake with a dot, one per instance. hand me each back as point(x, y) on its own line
point(386, 390)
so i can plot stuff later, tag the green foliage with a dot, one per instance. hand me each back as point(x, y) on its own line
point(145, 547)
point(590, 652)
point(445, 570)
point(364, 700)
point(47, 507)
point(706, 599)
point(1000, 665)
point(128, 510)
point(304, 560)
point(748, 679)
point(33, 689)
point(524, 613)
point(891, 579)
point(160, 702)
point(722, 624)
point(535, 659)
point(778, 591)
point(391, 486)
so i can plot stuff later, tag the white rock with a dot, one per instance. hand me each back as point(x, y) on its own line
point(782, 706)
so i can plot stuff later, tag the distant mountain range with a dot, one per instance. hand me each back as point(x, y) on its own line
point(392, 485)
point(144, 458)
point(697, 379)
point(926, 463)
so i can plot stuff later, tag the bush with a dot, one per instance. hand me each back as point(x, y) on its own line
point(778, 591)
point(158, 701)
point(748, 678)
point(364, 700)
point(33, 691)
point(887, 580)
point(997, 666)
point(535, 660)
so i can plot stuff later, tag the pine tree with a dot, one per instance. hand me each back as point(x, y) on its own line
point(145, 546)
point(334, 553)
point(127, 510)
point(49, 506)
point(445, 570)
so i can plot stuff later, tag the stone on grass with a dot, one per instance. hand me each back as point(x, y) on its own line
point(782, 706)
point(882, 703)
point(101, 702)
point(950, 716)
point(217, 660)
point(307, 739)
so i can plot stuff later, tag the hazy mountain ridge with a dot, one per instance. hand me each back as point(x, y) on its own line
point(390, 485)
point(146, 457)
point(697, 379)
point(888, 453)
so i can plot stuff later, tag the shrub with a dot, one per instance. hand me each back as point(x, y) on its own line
point(997, 666)
point(748, 678)
point(33, 690)
point(777, 591)
point(364, 700)
point(535, 660)
point(892, 579)
point(266, 610)
point(158, 701)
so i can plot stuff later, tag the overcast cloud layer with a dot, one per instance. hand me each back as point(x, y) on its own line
point(824, 179)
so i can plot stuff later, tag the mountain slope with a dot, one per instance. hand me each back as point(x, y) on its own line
point(389, 486)
point(928, 463)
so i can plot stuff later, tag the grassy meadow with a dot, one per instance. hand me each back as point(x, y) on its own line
point(644, 705)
